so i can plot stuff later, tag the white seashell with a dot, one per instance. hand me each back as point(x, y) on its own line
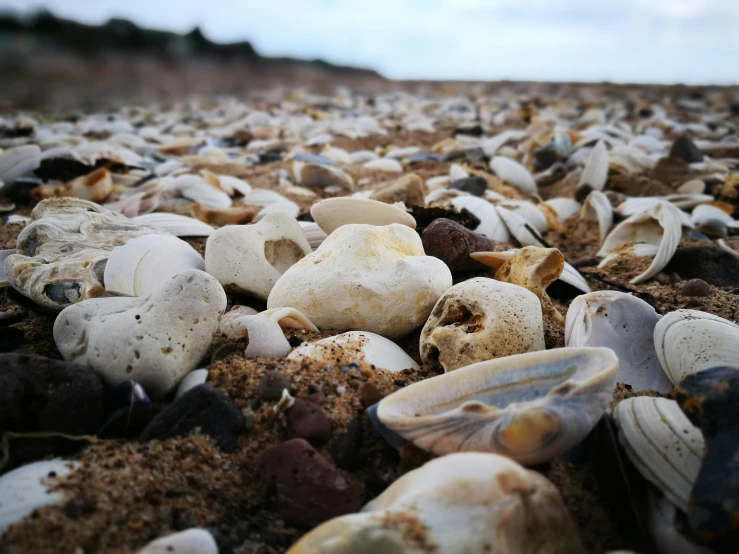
point(3, 276)
point(332, 213)
point(514, 174)
point(24, 490)
point(316, 175)
point(313, 233)
point(694, 186)
point(178, 225)
point(649, 143)
point(662, 443)
point(492, 144)
point(595, 173)
point(491, 224)
point(146, 263)
point(712, 220)
point(251, 258)
point(658, 226)
point(521, 230)
point(19, 161)
point(663, 530)
point(565, 207)
point(459, 504)
point(689, 341)
point(198, 189)
point(234, 183)
point(527, 211)
point(492, 196)
point(384, 164)
point(400, 153)
point(190, 541)
point(338, 155)
point(363, 156)
point(597, 206)
point(481, 319)
point(193, 379)
point(457, 172)
point(572, 277)
point(529, 407)
point(365, 278)
point(352, 347)
point(625, 324)
point(95, 187)
point(726, 248)
point(442, 195)
point(435, 183)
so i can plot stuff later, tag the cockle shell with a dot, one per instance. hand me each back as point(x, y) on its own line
point(597, 206)
point(459, 504)
point(264, 329)
point(332, 213)
point(251, 258)
point(178, 225)
point(662, 443)
point(94, 187)
point(191, 541)
point(529, 407)
point(491, 224)
point(659, 226)
point(689, 341)
point(480, 319)
point(514, 174)
point(625, 324)
point(144, 264)
point(595, 173)
point(353, 347)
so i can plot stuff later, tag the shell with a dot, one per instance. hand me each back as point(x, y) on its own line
point(3, 276)
point(313, 233)
point(27, 488)
point(726, 248)
point(18, 161)
point(200, 190)
point(350, 348)
point(521, 230)
point(457, 172)
point(514, 174)
point(712, 220)
point(145, 263)
point(565, 207)
point(528, 212)
point(597, 206)
point(264, 329)
point(625, 324)
point(384, 164)
point(529, 407)
point(332, 213)
point(94, 187)
point(663, 445)
point(663, 528)
point(459, 504)
point(491, 224)
point(595, 172)
point(315, 175)
point(658, 226)
point(190, 541)
point(689, 341)
point(480, 319)
point(193, 379)
point(178, 225)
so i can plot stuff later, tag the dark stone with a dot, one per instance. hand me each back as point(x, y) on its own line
point(43, 395)
point(670, 170)
point(695, 287)
point(473, 131)
point(715, 266)
point(369, 394)
point(453, 244)
point(685, 149)
point(309, 489)
point(710, 399)
point(132, 412)
point(61, 169)
point(10, 338)
point(588, 261)
point(645, 113)
point(205, 407)
point(425, 215)
point(10, 318)
point(271, 385)
point(346, 448)
point(545, 157)
point(474, 185)
point(582, 192)
point(306, 420)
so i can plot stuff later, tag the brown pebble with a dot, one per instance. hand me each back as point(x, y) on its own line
point(452, 244)
point(272, 384)
point(695, 287)
point(588, 261)
point(345, 449)
point(670, 170)
point(369, 394)
point(306, 420)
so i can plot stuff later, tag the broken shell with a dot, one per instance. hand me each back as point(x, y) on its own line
point(457, 172)
point(191, 541)
point(178, 225)
point(264, 329)
point(595, 172)
point(94, 187)
point(514, 174)
point(3, 276)
point(200, 190)
point(332, 213)
point(521, 230)
point(712, 220)
point(481, 319)
point(528, 212)
point(564, 207)
point(529, 407)
point(689, 341)
point(351, 348)
point(193, 379)
point(597, 206)
point(659, 226)
point(144, 264)
point(18, 161)
point(236, 215)
point(459, 504)
point(315, 175)
point(384, 164)
point(625, 324)
point(491, 224)
point(251, 258)
point(313, 233)
point(662, 443)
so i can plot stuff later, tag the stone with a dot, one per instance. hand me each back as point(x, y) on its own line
point(10, 338)
point(452, 244)
point(408, 189)
point(210, 409)
point(306, 420)
point(474, 185)
point(582, 192)
point(155, 340)
point(39, 394)
point(345, 450)
point(685, 149)
point(709, 263)
point(369, 394)
point(271, 385)
point(309, 489)
point(671, 170)
point(251, 258)
point(632, 185)
point(695, 287)
point(365, 278)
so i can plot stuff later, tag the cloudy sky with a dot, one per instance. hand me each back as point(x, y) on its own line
point(691, 41)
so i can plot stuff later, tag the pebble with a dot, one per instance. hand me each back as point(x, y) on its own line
point(452, 244)
point(695, 287)
point(306, 420)
point(309, 489)
point(211, 410)
point(271, 385)
point(345, 449)
point(10, 338)
point(409, 189)
point(369, 394)
point(474, 185)
point(709, 263)
point(583, 192)
point(670, 170)
point(133, 414)
point(685, 149)
point(588, 261)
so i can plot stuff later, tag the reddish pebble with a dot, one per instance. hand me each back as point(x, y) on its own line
point(306, 420)
point(272, 384)
point(453, 243)
point(369, 394)
point(695, 287)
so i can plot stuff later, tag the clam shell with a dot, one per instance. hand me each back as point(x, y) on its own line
point(313, 233)
point(712, 220)
point(625, 324)
point(526, 211)
point(521, 230)
point(457, 172)
point(689, 341)
point(632, 206)
point(529, 407)
point(491, 224)
point(198, 189)
point(145, 263)
point(662, 443)
point(565, 207)
point(332, 213)
point(193, 379)
point(514, 174)
point(384, 164)
point(595, 173)
point(178, 225)
point(598, 207)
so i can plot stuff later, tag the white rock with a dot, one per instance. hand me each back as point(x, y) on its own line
point(250, 258)
point(191, 541)
point(332, 213)
point(366, 278)
point(154, 340)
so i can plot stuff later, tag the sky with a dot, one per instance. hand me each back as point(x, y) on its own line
point(663, 41)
